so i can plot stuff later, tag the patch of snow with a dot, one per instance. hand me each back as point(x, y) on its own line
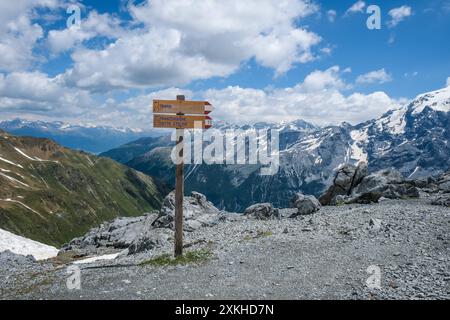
point(25, 246)
point(437, 100)
point(414, 172)
point(14, 180)
point(357, 153)
point(10, 162)
point(397, 121)
point(394, 121)
point(22, 204)
point(98, 258)
point(32, 158)
point(23, 154)
point(311, 144)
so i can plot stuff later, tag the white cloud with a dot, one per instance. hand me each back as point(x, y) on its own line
point(331, 15)
point(318, 99)
point(448, 82)
point(18, 34)
point(398, 15)
point(94, 25)
point(36, 93)
point(356, 7)
point(181, 42)
point(378, 76)
point(135, 112)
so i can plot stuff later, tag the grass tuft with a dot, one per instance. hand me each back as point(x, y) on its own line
point(260, 234)
point(192, 257)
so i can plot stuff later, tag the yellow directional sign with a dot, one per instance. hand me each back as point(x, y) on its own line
point(182, 106)
point(181, 121)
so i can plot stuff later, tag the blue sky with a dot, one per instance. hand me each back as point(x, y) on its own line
point(262, 60)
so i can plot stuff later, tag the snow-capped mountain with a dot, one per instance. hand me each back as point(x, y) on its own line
point(90, 138)
point(414, 139)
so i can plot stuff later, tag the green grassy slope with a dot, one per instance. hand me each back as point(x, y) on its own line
point(52, 194)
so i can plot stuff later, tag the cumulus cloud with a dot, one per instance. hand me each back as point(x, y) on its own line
point(318, 99)
point(377, 76)
point(356, 7)
point(36, 93)
point(398, 15)
point(180, 42)
point(18, 34)
point(135, 112)
point(93, 26)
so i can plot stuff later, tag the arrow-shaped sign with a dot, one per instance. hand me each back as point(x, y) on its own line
point(182, 107)
point(181, 121)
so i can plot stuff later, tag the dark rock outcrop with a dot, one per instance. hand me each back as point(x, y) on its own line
point(353, 185)
point(344, 182)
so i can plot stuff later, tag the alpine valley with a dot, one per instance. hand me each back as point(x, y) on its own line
point(52, 194)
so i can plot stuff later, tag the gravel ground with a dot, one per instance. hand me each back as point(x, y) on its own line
point(322, 256)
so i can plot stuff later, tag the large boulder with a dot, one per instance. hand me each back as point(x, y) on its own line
point(388, 183)
point(305, 204)
point(149, 241)
point(147, 232)
point(197, 212)
point(353, 185)
point(442, 200)
point(118, 234)
point(443, 182)
point(262, 211)
point(347, 177)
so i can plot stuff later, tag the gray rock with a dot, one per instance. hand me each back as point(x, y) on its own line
point(197, 212)
point(366, 189)
point(305, 204)
point(117, 234)
point(365, 198)
point(375, 225)
point(148, 242)
point(9, 258)
point(388, 183)
point(262, 211)
point(344, 182)
point(442, 200)
point(444, 182)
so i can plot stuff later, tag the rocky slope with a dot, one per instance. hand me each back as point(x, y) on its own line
point(52, 194)
point(328, 255)
point(336, 248)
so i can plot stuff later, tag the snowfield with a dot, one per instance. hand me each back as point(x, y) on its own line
point(24, 246)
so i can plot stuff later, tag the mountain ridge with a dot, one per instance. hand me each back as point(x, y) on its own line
point(89, 138)
point(413, 138)
point(51, 194)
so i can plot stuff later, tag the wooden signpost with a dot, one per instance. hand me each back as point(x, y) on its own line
point(179, 121)
point(180, 114)
point(181, 106)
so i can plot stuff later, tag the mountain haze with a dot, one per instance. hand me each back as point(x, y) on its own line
point(90, 138)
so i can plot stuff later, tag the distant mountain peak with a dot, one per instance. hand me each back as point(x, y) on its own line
point(438, 100)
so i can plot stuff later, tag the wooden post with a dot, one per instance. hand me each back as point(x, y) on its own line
point(179, 190)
